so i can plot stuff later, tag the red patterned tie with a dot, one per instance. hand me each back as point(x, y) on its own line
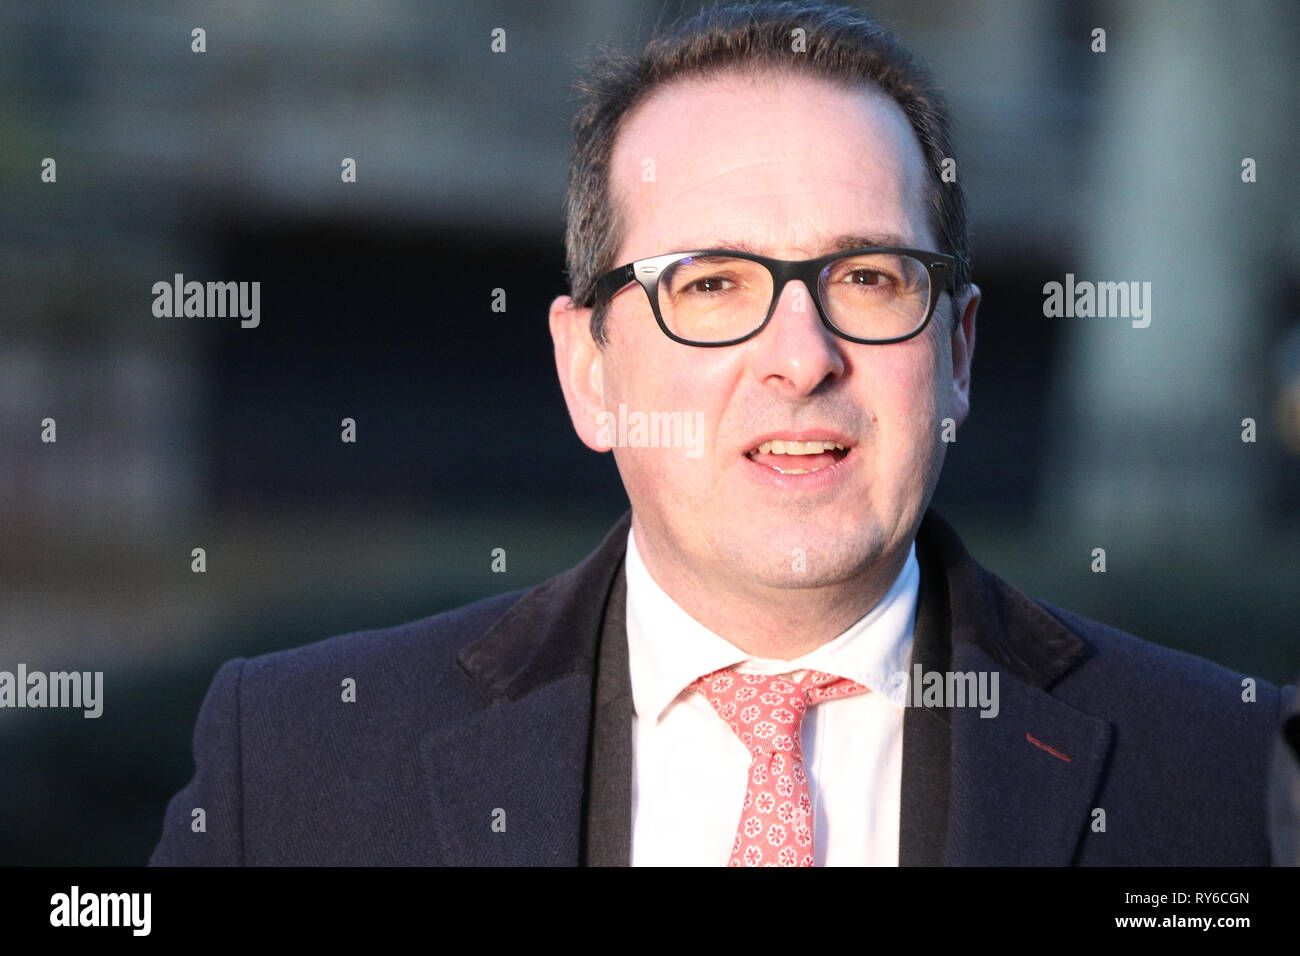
point(766, 711)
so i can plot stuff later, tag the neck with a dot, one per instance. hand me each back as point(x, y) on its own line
point(775, 623)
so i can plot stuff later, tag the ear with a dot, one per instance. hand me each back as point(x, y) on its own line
point(579, 362)
point(963, 351)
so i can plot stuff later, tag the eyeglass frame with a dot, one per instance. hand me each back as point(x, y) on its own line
point(646, 273)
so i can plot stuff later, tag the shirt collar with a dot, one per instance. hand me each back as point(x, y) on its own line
point(668, 649)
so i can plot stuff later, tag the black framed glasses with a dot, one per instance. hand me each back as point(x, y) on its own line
point(713, 297)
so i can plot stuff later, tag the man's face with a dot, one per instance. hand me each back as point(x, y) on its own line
point(789, 167)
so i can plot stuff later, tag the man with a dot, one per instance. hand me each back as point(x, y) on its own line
point(781, 655)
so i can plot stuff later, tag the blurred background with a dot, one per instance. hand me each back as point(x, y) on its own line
point(376, 305)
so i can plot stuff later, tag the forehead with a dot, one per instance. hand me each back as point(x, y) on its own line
point(776, 162)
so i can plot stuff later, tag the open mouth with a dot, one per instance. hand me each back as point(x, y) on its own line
point(798, 457)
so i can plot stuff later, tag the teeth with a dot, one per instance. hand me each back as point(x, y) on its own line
point(779, 447)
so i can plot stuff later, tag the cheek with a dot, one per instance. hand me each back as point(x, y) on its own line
point(638, 367)
point(666, 403)
point(664, 480)
point(908, 400)
point(656, 375)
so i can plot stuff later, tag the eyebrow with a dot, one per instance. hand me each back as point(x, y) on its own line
point(839, 243)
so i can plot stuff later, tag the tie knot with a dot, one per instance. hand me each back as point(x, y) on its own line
point(766, 710)
point(819, 686)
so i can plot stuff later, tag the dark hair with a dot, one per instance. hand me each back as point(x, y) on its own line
point(843, 45)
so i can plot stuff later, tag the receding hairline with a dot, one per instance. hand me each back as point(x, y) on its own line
point(753, 73)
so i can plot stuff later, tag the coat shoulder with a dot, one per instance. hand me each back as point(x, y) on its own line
point(310, 754)
point(1191, 743)
point(428, 641)
point(1146, 674)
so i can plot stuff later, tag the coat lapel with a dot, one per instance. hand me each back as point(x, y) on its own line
point(927, 732)
point(1023, 782)
point(506, 781)
point(609, 775)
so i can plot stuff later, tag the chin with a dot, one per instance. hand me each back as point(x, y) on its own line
point(795, 559)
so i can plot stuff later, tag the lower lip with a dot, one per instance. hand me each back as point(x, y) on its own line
point(827, 477)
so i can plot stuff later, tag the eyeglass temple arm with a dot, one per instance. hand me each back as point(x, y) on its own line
point(611, 282)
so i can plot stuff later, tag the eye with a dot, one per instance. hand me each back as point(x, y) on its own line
point(866, 277)
point(713, 277)
point(708, 284)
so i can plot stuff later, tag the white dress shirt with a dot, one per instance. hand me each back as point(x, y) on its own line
point(690, 769)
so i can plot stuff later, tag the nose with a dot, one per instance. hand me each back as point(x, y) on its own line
point(796, 353)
